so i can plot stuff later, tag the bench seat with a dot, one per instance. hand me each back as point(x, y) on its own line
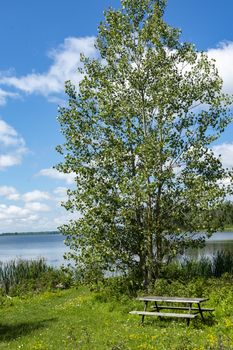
point(162, 314)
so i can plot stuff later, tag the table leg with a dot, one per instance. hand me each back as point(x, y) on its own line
point(156, 305)
point(201, 313)
point(145, 307)
point(157, 308)
point(190, 311)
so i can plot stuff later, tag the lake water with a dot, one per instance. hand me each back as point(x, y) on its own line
point(219, 241)
point(49, 246)
point(52, 247)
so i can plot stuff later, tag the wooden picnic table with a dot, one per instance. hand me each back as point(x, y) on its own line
point(163, 303)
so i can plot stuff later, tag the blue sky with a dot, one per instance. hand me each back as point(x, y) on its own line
point(40, 46)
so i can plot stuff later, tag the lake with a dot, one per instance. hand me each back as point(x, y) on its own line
point(49, 246)
point(219, 241)
point(52, 247)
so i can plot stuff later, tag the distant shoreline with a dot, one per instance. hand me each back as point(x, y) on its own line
point(29, 233)
point(226, 229)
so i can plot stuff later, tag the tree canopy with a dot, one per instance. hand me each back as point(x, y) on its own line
point(138, 131)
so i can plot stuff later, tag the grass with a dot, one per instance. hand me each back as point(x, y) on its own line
point(77, 319)
point(39, 316)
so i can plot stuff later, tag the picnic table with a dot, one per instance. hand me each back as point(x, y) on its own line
point(172, 303)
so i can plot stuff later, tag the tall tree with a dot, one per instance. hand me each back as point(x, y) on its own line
point(138, 135)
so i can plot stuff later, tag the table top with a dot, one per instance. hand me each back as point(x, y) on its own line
point(172, 299)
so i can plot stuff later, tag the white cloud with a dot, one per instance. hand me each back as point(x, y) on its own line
point(13, 212)
point(20, 218)
point(9, 192)
point(65, 218)
point(12, 146)
point(223, 55)
point(226, 152)
point(37, 206)
point(66, 60)
point(9, 136)
point(55, 174)
point(35, 195)
point(60, 191)
point(14, 218)
point(16, 212)
point(12, 194)
point(60, 194)
point(32, 214)
point(4, 95)
point(8, 160)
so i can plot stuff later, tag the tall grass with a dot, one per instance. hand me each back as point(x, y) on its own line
point(21, 275)
point(220, 263)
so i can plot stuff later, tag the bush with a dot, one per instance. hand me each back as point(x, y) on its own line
point(173, 278)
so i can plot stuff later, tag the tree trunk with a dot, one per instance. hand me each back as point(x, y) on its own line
point(159, 248)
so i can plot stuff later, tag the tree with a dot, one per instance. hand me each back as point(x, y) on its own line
point(138, 136)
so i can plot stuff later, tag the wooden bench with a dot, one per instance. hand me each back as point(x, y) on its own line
point(193, 312)
point(163, 314)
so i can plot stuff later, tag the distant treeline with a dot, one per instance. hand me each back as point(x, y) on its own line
point(29, 233)
point(227, 214)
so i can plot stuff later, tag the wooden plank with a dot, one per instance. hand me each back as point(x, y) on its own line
point(162, 314)
point(180, 308)
point(172, 299)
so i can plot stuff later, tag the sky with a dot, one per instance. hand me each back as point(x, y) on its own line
point(41, 42)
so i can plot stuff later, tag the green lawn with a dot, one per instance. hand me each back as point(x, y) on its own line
point(78, 319)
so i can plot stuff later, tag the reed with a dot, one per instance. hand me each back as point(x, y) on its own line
point(14, 272)
point(20, 276)
point(220, 263)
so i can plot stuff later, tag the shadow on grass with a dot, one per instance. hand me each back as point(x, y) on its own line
point(12, 331)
